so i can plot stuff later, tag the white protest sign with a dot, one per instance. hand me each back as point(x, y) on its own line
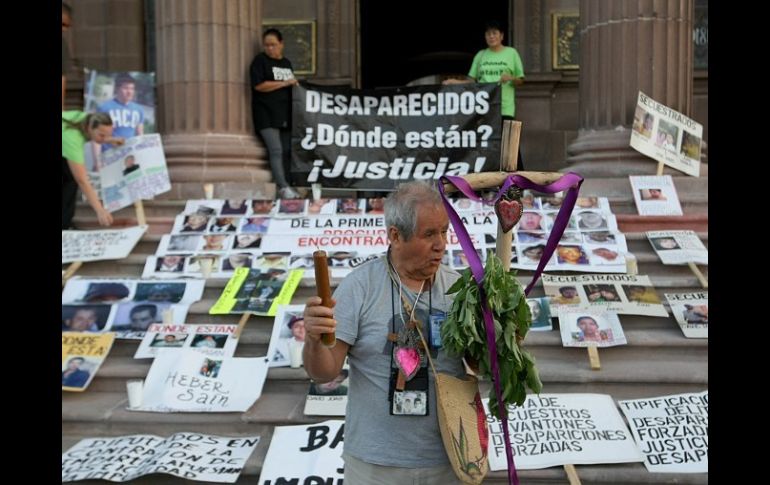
point(189, 380)
point(305, 454)
point(134, 171)
point(187, 455)
point(666, 135)
point(672, 431)
point(678, 247)
point(655, 196)
point(99, 245)
point(691, 311)
point(211, 339)
point(559, 429)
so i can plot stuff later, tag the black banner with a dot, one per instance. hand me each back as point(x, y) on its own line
point(373, 139)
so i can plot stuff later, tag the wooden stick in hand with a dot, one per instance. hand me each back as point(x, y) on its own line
point(324, 290)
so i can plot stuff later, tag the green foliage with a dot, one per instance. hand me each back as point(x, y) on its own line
point(464, 332)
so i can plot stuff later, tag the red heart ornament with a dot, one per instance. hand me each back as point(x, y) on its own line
point(508, 213)
point(408, 360)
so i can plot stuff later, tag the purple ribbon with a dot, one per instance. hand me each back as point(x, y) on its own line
point(569, 181)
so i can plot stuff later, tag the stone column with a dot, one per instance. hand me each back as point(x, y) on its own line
point(627, 46)
point(204, 49)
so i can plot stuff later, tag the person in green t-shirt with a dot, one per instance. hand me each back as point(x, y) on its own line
point(497, 64)
point(77, 128)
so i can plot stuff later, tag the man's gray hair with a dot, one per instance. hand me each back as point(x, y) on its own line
point(401, 205)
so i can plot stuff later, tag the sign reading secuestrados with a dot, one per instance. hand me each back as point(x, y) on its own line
point(666, 135)
point(374, 139)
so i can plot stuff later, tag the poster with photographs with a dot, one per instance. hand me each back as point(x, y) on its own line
point(191, 456)
point(540, 309)
point(691, 311)
point(81, 356)
point(558, 429)
point(259, 291)
point(625, 294)
point(134, 171)
point(125, 306)
point(128, 97)
point(234, 233)
point(584, 329)
point(305, 454)
point(193, 381)
point(671, 431)
point(678, 247)
point(328, 398)
point(99, 245)
point(655, 196)
point(288, 337)
point(666, 135)
point(211, 339)
point(101, 290)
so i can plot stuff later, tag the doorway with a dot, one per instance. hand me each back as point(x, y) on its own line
point(404, 40)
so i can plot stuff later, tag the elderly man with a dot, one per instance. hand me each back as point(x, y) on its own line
point(374, 302)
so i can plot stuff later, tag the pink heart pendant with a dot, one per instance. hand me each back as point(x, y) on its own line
point(508, 213)
point(408, 360)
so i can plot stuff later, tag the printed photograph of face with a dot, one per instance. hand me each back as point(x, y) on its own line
point(349, 205)
point(665, 243)
point(84, 318)
point(568, 254)
point(696, 314)
point(531, 221)
point(195, 223)
point(160, 292)
point(138, 316)
point(336, 387)
point(409, 403)
point(540, 312)
point(591, 220)
point(292, 206)
point(262, 206)
point(171, 263)
point(652, 194)
point(591, 328)
point(184, 243)
point(173, 340)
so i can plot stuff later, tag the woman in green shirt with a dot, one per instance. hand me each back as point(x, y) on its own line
point(77, 128)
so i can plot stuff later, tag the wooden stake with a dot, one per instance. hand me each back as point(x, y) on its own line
point(659, 172)
point(70, 271)
point(241, 324)
point(593, 357)
point(703, 281)
point(139, 208)
point(508, 160)
point(168, 316)
point(572, 474)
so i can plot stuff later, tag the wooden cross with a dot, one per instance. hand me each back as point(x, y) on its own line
point(509, 154)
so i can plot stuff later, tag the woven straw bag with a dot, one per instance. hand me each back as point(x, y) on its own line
point(463, 426)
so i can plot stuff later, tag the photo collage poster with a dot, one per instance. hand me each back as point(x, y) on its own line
point(666, 135)
point(125, 306)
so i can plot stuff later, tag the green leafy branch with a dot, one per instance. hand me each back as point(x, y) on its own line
point(464, 331)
